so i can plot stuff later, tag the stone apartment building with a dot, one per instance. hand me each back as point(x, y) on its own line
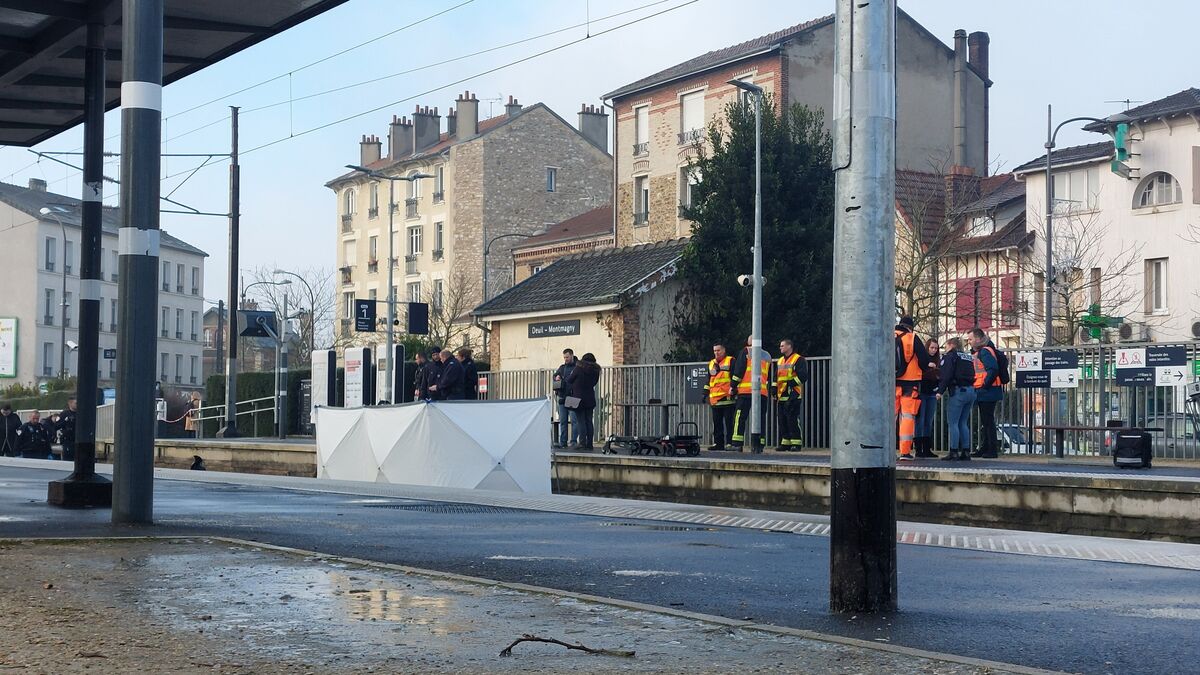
point(512, 174)
point(942, 112)
point(42, 253)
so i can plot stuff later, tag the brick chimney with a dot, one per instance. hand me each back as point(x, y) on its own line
point(962, 187)
point(593, 124)
point(368, 150)
point(427, 129)
point(451, 123)
point(399, 138)
point(958, 155)
point(512, 107)
point(37, 185)
point(467, 109)
point(977, 56)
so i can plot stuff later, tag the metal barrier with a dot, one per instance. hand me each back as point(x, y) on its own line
point(1096, 401)
point(218, 414)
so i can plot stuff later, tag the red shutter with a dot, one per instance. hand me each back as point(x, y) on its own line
point(985, 303)
point(1008, 300)
point(963, 304)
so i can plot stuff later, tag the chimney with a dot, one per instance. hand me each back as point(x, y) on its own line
point(369, 149)
point(37, 185)
point(451, 123)
point(467, 109)
point(399, 138)
point(962, 188)
point(977, 51)
point(958, 156)
point(512, 107)
point(426, 130)
point(593, 124)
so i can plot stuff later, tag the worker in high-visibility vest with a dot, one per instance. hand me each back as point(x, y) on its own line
point(911, 359)
point(791, 373)
point(742, 379)
point(721, 400)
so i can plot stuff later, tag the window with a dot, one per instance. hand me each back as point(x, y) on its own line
point(439, 235)
point(439, 287)
point(68, 255)
point(641, 200)
point(112, 368)
point(99, 265)
point(973, 303)
point(116, 265)
point(744, 97)
point(47, 359)
point(1009, 286)
point(51, 250)
point(1158, 189)
point(178, 368)
point(48, 314)
point(373, 250)
point(981, 226)
point(349, 252)
point(551, 179)
point(414, 185)
point(162, 324)
point(372, 294)
point(691, 117)
point(165, 278)
point(534, 269)
point(113, 316)
point(195, 281)
point(179, 278)
point(193, 369)
point(163, 359)
point(414, 240)
point(99, 314)
point(689, 178)
point(414, 292)
point(1076, 190)
point(349, 199)
point(67, 309)
point(1156, 286)
point(373, 199)
point(641, 130)
point(439, 184)
point(195, 325)
point(208, 338)
point(348, 305)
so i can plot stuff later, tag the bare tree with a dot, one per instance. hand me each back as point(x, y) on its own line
point(450, 311)
point(311, 302)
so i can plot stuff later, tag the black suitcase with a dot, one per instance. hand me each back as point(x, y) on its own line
point(1134, 450)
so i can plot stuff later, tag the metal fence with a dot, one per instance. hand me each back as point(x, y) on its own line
point(1095, 402)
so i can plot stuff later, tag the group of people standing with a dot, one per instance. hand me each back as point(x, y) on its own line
point(445, 376)
point(575, 389)
point(33, 438)
point(963, 380)
point(729, 389)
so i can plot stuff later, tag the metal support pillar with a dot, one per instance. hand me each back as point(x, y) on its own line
point(235, 186)
point(83, 487)
point(281, 388)
point(138, 243)
point(756, 401)
point(862, 557)
point(388, 394)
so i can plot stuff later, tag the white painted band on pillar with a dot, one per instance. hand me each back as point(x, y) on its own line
point(93, 192)
point(89, 289)
point(145, 95)
point(756, 343)
point(136, 241)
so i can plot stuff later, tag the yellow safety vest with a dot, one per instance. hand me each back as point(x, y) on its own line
point(720, 382)
point(786, 381)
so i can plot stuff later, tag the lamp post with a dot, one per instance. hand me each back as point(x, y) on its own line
point(487, 249)
point(391, 294)
point(280, 356)
point(312, 309)
point(756, 92)
point(1050, 136)
point(62, 332)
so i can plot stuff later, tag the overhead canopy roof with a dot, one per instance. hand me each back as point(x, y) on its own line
point(42, 50)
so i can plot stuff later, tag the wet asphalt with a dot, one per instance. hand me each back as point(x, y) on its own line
point(1072, 615)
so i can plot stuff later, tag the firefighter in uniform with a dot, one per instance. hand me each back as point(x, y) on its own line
point(719, 392)
point(791, 373)
point(911, 358)
point(741, 377)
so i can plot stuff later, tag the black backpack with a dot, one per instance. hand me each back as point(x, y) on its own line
point(964, 370)
point(1001, 363)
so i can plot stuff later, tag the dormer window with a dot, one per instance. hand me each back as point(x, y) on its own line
point(1158, 189)
point(981, 226)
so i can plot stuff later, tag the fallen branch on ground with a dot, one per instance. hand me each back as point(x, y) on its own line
point(533, 638)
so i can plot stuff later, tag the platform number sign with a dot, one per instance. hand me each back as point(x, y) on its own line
point(364, 316)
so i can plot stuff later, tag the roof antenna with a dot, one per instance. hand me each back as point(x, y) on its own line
point(1126, 101)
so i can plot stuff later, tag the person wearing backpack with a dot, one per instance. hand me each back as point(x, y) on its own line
point(991, 372)
point(957, 388)
point(911, 361)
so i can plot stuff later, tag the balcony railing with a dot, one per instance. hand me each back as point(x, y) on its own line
point(67, 269)
point(439, 197)
point(438, 254)
point(178, 335)
point(410, 264)
point(113, 276)
point(179, 289)
point(178, 379)
point(166, 287)
point(195, 290)
point(347, 223)
point(410, 208)
point(373, 212)
point(48, 320)
point(641, 218)
point(49, 265)
point(112, 327)
point(347, 274)
point(690, 136)
point(642, 148)
point(195, 337)
point(192, 379)
point(372, 266)
point(166, 333)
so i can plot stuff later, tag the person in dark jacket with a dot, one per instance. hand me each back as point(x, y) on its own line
point(470, 374)
point(956, 388)
point(9, 423)
point(50, 425)
point(420, 378)
point(434, 374)
point(33, 441)
point(923, 439)
point(66, 429)
point(562, 391)
point(450, 383)
point(988, 391)
point(582, 384)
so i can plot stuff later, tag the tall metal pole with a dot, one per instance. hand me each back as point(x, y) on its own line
point(138, 242)
point(756, 309)
point(219, 344)
point(283, 370)
point(83, 487)
point(235, 207)
point(1049, 341)
point(62, 325)
point(391, 294)
point(862, 561)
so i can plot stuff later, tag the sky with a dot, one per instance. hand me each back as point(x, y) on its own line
point(1078, 55)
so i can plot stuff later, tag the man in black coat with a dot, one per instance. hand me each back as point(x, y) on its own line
point(450, 383)
point(9, 424)
point(434, 373)
point(32, 439)
point(470, 374)
point(420, 378)
point(66, 429)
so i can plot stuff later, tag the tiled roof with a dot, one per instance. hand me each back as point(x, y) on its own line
point(593, 278)
point(996, 191)
point(1071, 155)
point(1185, 101)
point(68, 210)
point(1012, 235)
point(720, 56)
point(592, 223)
point(921, 197)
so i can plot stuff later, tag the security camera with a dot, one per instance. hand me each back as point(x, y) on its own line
point(745, 280)
point(72, 345)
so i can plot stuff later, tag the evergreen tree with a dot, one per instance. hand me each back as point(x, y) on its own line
point(797, 234)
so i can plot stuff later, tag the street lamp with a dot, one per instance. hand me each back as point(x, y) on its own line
point(487, 248)
point(756, 92)
point(312, 309)
point(391, 293)
point(1050, 136)
point(280, 358)
point(62, 339)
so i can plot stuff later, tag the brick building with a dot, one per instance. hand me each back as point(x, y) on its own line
point(942, 106)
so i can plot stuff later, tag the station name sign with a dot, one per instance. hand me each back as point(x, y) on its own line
point(548, 329)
